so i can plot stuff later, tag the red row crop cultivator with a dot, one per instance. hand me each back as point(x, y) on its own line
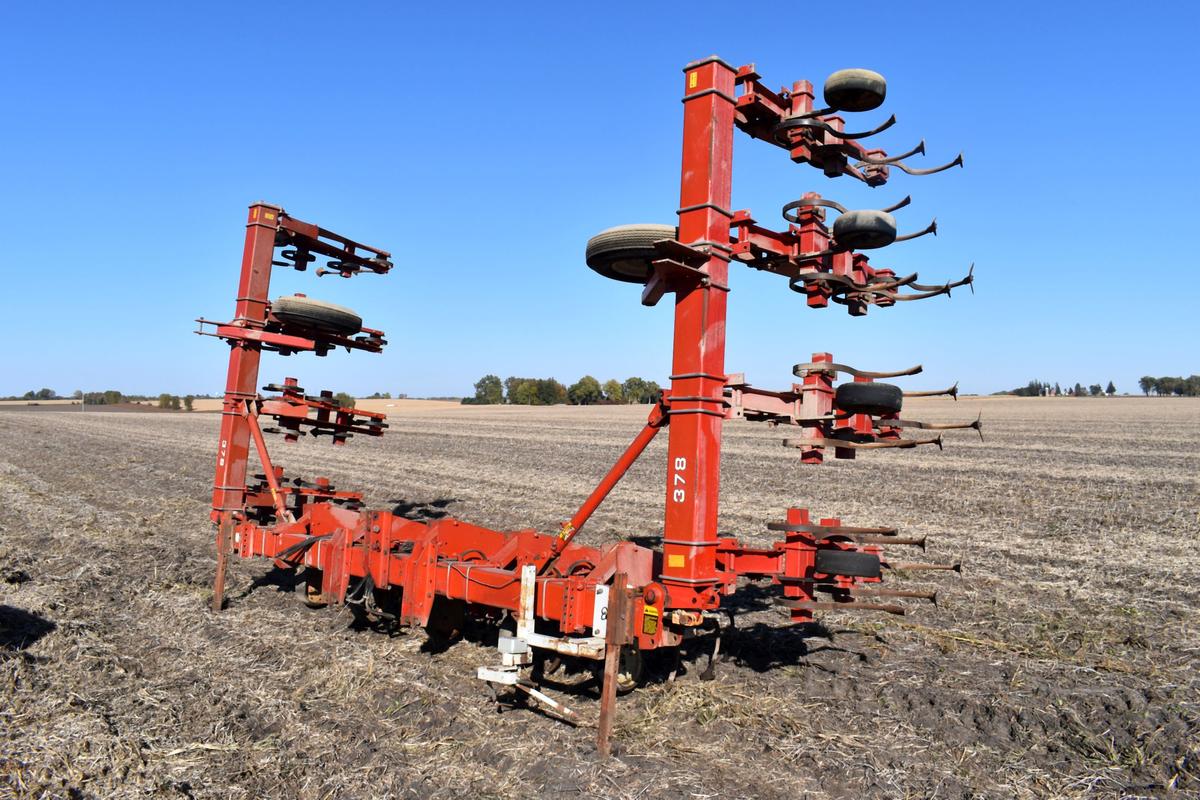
point(601, 605)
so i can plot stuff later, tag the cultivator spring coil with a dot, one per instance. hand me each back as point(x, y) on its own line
point(603, 605)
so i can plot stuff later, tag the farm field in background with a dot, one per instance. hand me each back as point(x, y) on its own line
point(1063, 663)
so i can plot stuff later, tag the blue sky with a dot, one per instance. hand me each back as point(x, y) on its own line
point(484, 144)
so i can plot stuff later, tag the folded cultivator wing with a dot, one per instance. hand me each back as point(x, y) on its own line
point(567, 600)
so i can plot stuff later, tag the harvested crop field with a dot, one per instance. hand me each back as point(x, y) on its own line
point(1063, 663)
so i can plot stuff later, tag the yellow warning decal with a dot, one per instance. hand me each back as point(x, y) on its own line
point(650, 616)
point(692, 78)
point(676, 560)
point(269, 215)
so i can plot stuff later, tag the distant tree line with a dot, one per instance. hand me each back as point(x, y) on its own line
point(174, 401)
point(40, 394)
point(1166, 386)
point(112, 397)
point(490, 390)
point(1044, 389)
point(387, 396)
point(109, 397)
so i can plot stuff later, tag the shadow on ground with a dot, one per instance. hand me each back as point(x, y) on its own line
point(20, 628)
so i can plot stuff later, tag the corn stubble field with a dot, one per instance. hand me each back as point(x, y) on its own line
point(1063, 663)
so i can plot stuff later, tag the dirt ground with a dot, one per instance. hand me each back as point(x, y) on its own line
point(1062, 663)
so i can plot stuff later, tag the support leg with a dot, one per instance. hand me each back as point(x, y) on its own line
point(224, 545)
point(618, 628)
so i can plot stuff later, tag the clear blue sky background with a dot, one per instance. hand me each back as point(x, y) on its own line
point(483, 145)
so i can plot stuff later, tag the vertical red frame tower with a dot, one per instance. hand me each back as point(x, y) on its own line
point(698, 356)
point(241, 382)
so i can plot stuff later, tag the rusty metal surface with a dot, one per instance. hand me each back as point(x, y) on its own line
point(618, 637)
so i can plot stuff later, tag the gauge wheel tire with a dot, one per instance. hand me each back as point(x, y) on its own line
point(855, 90)
point(869, 398)
point(847, 562)
point(864, 230)
point(629, 670)
point(316, 314)
point(624, 253)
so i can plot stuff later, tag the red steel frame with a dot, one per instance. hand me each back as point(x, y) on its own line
point(549, 576)
point(698, 360)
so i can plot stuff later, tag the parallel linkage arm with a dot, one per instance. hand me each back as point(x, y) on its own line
point(822, 141)
point(344, 255)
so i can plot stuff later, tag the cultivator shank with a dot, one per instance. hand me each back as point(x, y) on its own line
point(563, 599)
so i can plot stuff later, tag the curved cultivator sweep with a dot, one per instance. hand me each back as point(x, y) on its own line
point(568, 600)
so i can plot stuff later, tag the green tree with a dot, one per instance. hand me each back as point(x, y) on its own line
point(520, 391)
point(164, 400)
point(1095, 390)
point(586, 392)
point(534, 391)
point(1111, 389)
point(550, 392)
point(653, 390)
point(634, 390)
point(188, 400)
point(46, 394)
point(1079, 391)
point(110, 397)
point(527, 394)
point(512, 389)
point(77, 394)
point(613, 392)
point(1147, 384)
point(489, 390)
point(344, 400)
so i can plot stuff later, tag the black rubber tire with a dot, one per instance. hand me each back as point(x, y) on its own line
point(848, 562)
point(624, 253)
point(869, 398)
point(855, 90)
point(631, 670)
point(864, 230)
point(316, 314)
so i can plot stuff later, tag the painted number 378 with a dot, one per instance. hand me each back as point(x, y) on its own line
point(679, 493)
